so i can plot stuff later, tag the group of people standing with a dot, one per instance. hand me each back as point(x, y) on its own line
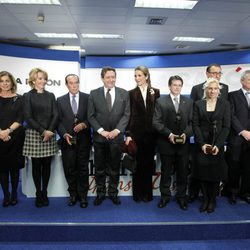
point(155, 123)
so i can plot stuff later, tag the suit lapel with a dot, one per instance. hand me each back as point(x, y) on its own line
point(170, 103)
point(242, 98)
point(68, 104)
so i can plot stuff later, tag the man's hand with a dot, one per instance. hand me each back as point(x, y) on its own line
point(80, 127)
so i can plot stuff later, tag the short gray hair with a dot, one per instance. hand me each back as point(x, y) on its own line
point(244, 74)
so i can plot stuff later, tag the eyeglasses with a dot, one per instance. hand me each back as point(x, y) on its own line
point(216, 73)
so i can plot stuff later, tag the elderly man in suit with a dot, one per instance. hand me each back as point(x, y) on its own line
point(238, 151)
point(74, 131)
point(173, 121)
point(212, 71)
point(108, 114)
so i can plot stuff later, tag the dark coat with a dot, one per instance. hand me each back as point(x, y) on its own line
point(100, 117)
point(165, 123)
point(140, 126)
point(67, 118)
point(209, 167)
point(240, 121)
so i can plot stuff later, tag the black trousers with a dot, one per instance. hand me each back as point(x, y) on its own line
point(4, 180)
point(75, 160)
point(169, 165)
point(239, 173)
point(107, 160)
point(41, 173)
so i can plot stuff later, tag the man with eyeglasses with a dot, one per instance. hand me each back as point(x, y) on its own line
point(213, 71)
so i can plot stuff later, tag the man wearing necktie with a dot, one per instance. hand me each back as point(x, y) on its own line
point(238, 150)
point(108, 114)
point(173, 121)
point(74, 131)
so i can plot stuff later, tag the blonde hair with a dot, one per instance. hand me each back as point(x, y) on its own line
point(146, 73)
point(12, 80)
point(208, 83)
point(33, 75)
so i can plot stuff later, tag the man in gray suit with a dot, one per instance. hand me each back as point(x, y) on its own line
point(108, 114)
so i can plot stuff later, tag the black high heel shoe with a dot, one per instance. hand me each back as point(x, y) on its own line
point(6, 202)
point(13, 199)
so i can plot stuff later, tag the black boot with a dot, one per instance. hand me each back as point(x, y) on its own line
point(45, 198)
point(13, 198)
point(6, 200)
point(211, 205)
point(39, 200)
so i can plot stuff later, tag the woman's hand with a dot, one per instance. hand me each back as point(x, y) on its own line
point(47, 135)
point(128, 139)
point(215, 150)
point(4, 134)
point(204, 148)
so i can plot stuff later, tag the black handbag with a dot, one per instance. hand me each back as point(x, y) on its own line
point(129, 163)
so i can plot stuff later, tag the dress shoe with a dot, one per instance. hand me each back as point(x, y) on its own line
point(98, 200)
point(204, 206)
point(72, 200)
point(45, 199)
point(83, 203)
point(6, 202)
point(115, 199)
point(183, 204)
point(232, 199)
point(211, 207)
point(163, 203)
point(147, 199)
point(136, 199)
point(13, 199)
point(38, 202)
point(192, 198)
point(246, 198)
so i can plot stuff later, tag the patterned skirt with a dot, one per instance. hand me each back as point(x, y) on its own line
point(35, 147)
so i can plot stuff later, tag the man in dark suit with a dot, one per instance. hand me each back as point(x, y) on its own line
point(238, 151)
point(75, 134)
point(108, 114)
point(212, 71)
point(173, 121)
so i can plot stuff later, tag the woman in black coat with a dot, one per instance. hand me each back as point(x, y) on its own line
point(11, 137)
point(142, 104)
point(41, 116)
point(211, 125)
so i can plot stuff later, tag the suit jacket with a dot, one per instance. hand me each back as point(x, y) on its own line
point(165, 122)
point(141, 117)
point(240, 121)
point(197, 92)
point(67, 117)
point(100, 117)
point(203, 125)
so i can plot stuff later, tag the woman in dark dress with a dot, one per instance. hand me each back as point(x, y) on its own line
point(11, 137)
point(40, 114)
point(142, 103)
point(211, 125)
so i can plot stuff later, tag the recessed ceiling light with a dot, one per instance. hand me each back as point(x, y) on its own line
point(193, 39)
point(53, 2)
point(56, 35)
point(103, 36)
point(168, 4)
point(140, 51)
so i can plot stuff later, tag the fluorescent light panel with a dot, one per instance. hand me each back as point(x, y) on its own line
point(103, 36)
point(66, 47)
point(56, 35)
point(167, 4)
point(193, 39)
point(140, 51)
point(50, 2)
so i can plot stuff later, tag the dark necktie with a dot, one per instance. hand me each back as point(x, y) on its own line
point(108, 100)
point(74, 105)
